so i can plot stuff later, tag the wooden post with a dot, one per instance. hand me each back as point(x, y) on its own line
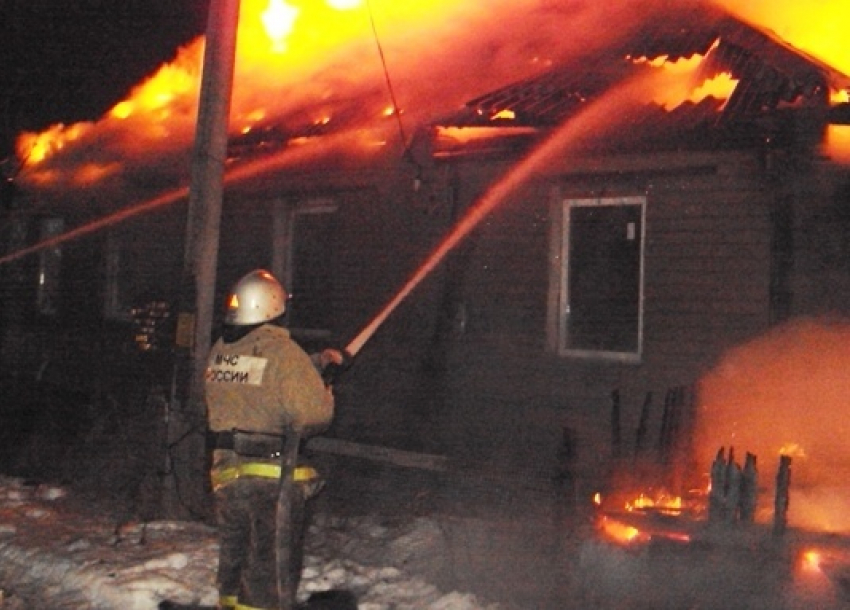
point(782, 499)
point(732, 497)
point(749, 489)
point(716, 497)
point(184, 491)
point(640, 435)
point(284, 533)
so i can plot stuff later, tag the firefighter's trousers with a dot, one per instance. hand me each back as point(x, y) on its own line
point(246, 513)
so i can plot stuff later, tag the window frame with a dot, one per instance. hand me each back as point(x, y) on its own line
point(284, 261)
point(560, 298)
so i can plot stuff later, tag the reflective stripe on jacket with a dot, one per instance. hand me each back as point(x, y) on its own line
point(222, 476)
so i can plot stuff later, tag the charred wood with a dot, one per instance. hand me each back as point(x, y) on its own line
point(640, 434)
point(749, 489)
point(716, 497)
point(782, 499)
point(734, 480)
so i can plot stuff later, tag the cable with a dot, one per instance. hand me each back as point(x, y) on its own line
point(396, 109)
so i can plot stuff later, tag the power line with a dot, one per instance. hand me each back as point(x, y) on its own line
point(396, 109)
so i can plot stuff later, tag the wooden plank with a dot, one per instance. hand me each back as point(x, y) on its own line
point(377, 453)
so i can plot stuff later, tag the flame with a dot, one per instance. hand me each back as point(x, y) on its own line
point(818, 28)
point(278, 44)
point(293, 55)
point(279, 21)
point(678, 81)
point(504, 114)
point(36, 147)
point(720, 87)
point(665, 503)
point(344, 5)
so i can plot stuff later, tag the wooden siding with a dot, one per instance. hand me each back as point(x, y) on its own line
point(707, 288)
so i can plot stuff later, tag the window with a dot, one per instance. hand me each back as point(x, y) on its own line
point(308, 269)
point(596, 304)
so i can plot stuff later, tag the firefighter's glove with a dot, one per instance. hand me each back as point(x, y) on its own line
point(330, 356)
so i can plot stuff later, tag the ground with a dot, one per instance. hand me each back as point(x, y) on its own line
point(402, 547)
point(77, 531)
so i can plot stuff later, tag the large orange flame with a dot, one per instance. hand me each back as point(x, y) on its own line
point(298, 57)
point(279, 48)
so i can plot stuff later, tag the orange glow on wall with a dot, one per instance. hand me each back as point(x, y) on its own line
point(838, 143)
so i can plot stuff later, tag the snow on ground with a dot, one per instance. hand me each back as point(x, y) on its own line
point(54, 557)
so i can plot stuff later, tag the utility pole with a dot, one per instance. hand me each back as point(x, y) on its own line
point(184, 490)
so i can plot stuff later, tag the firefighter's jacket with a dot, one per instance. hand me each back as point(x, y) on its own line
point(265, 383)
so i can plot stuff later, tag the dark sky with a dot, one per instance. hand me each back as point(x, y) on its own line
point(71, 60)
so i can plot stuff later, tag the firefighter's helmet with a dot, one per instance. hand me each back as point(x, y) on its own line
point(258, 297)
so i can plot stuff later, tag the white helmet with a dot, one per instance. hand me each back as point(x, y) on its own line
point(256, 298)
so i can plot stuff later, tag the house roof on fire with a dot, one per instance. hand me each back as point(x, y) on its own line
point(769, 76)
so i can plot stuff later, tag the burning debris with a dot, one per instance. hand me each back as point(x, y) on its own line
point(706, 550)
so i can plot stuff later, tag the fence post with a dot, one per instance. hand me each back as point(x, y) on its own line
point(749, 489)
point(782, 499)
point(716, 501)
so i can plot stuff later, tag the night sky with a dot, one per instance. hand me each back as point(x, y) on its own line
point(71, 60)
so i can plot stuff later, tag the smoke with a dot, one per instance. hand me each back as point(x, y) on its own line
point(787, 392)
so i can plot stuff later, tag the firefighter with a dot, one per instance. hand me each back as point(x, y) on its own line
point(260, 386)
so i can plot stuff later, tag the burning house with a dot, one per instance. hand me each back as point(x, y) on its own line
point(592, 224)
